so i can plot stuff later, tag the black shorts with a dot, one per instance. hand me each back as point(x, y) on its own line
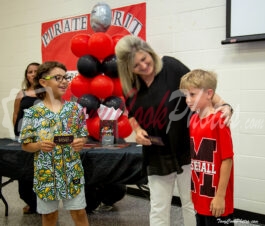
point(203, 220)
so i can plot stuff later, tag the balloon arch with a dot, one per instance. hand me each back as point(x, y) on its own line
point(97, 82)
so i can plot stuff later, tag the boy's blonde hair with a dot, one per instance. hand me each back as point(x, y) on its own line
point(200, 79)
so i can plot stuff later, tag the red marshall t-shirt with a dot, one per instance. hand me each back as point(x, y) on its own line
point(211, 143)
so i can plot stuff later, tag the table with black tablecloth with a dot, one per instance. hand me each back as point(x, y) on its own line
point(103, 165)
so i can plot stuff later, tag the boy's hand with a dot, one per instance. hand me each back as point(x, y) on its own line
point(78, 144)
point(46, 145)
point(217, 206)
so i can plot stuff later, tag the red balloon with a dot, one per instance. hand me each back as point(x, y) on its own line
point(80, 85)
point(124, 127)
point(116, 38)
point(100, 45)
point(123, 99)
point(93, 126)
point(117, 87)
point(101, 86)
point(79, 44)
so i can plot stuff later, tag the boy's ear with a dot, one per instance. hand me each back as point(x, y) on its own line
point(42, 82)
point(210, 93)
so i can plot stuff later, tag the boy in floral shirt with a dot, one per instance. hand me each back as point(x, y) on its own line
point(55, 130)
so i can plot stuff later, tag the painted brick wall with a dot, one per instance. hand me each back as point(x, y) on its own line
point(188, 30)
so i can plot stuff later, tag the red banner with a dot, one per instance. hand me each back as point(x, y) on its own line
point(56, 35)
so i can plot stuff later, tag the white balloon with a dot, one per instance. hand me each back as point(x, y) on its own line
point(100, 17)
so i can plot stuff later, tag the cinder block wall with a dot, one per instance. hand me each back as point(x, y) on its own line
point(188, 30)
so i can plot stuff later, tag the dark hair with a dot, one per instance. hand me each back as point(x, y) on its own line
point(44, 70)
point(26, 84)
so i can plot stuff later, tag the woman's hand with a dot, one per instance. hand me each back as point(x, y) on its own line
point(227, 112)
point(225, 108)
point(142, 137)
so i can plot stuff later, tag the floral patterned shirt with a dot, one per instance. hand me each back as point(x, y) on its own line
point(58, 174)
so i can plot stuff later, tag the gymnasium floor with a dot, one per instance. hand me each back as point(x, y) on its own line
point(130, 211)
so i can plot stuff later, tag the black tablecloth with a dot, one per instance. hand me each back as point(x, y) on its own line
point(102, 165)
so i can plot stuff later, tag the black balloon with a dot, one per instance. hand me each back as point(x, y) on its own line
point(109, 66)
point(88, 66)
point(115, 102)
point(90, 102)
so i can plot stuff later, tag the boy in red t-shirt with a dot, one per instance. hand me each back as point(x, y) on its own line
point(212, 179)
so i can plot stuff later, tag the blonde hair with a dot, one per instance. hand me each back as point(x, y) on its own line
point(125, 51)
point(199, 78)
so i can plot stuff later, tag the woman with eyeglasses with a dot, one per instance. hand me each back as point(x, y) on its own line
point(55, 131)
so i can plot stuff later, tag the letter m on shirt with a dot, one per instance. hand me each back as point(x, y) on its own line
point(203, 166)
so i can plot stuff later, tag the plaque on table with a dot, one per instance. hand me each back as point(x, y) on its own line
point(108, 132)
point(63, 139)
